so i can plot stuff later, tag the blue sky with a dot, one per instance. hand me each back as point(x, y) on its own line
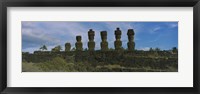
point(163, 35)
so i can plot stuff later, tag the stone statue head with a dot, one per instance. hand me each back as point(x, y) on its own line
point(78, 38)
point(104, 35)
point(91, 34)
point(118, 33)
point(130, 32)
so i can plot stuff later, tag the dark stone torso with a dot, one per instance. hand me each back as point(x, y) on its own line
point(104, 43)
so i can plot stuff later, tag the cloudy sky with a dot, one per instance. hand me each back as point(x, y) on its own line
point(163, 35)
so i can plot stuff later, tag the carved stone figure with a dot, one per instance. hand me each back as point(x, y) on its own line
point(118, 42)
point(79, 44)
point(91, 43)
point(67, 47)
point(131, 43)
point(104, 43)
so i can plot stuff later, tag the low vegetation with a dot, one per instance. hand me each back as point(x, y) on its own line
point(59, 64)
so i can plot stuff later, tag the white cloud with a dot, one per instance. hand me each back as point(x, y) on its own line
point(30, 49)
point(144, 48)
point(173, 25)
point(64, 32)
point(39, 36)
point(153, 30)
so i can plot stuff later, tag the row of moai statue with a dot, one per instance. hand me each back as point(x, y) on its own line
point(104, 43)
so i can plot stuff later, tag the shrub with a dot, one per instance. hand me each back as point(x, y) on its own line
point(55, 65)
point(29, 67)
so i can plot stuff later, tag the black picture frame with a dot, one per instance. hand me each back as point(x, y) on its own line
point(101, 3)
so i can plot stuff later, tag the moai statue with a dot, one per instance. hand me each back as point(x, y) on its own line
point(67, 47)
point(91, 43)
point(79, 44)
point(104, 43)
point(131, 43)
point(118, 42)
